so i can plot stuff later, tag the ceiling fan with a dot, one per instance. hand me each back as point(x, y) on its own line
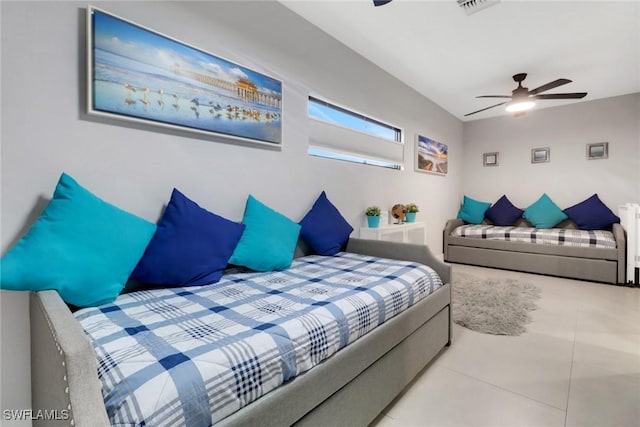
point(380, 2)
point(522, 99)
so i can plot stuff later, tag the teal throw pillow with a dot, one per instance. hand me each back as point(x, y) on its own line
point(268, 241)
point(544, 213)
point(472, 211)
point(81, 246)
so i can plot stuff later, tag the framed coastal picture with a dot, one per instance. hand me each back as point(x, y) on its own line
point(137, 74)
point(431, 156)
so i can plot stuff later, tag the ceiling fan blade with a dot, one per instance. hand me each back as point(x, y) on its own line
point(549, 85)
point(380, 2)
point(497, 105)
point(494, 96)
point(576, 95)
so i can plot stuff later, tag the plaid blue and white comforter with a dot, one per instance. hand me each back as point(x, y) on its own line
point(550, 236)
point(192, 356)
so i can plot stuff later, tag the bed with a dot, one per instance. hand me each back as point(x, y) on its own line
point(346, 387)
point(565, 251)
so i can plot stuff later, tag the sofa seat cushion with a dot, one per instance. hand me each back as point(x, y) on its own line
point(551, 236)
point(556, 241)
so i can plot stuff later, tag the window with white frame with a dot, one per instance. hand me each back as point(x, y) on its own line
point(339, 133)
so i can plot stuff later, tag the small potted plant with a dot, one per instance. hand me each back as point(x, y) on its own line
point(373, 216)
point(412, 210)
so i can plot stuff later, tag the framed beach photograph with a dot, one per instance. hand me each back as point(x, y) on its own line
point(137, 74)
point(490, 159)
point(431, 156)
point(597, 151)
point(540, 155)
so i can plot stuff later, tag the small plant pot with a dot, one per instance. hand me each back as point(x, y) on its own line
point(373, 221)
point(411, 216)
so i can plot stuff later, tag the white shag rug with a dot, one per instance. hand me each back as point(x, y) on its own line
point(493, 305)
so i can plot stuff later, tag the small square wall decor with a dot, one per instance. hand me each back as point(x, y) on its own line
point(540, 155)
point(490, 159)
point(598, 150)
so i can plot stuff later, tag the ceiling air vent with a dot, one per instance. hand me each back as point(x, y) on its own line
point(473, 6)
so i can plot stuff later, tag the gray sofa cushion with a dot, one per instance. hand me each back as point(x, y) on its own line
point(536, 248)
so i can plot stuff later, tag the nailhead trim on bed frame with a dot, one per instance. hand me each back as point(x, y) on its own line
point(64, 377)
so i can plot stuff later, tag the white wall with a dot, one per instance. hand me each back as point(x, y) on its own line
point(45, 131)
point(569, 177)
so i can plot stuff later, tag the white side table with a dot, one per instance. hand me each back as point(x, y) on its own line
point(409, 232)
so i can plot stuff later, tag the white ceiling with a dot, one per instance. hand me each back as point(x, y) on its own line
point(451, 57)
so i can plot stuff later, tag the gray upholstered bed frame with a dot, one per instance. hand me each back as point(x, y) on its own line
point(350, 388)
point(595, 264)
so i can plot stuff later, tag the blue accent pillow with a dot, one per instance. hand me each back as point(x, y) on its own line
point(81, 246)
point(592, 214)
point(324, 228)
point(503, 212)
point(472, 211)
point(269, 239)
point(190, 247)
point(544, 213)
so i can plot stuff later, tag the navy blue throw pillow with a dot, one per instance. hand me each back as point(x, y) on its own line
point(190, 247)
point(324, 228)
point(503, 212)
point(592, 214)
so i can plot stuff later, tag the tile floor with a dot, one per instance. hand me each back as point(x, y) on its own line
point(577, 365)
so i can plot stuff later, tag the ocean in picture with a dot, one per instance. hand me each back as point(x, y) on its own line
point(433, 156)
point(141, 74)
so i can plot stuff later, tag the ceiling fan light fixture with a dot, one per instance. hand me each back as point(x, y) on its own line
point(472, 6)
point(522, 99)
point(517, 106)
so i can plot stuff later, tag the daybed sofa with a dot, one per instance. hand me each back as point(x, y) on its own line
point(268, 322)
point(349, 388)
point(586, 263)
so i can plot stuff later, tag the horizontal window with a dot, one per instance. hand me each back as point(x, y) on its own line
point(354, 159)
point(338, 133)
point(323, 110)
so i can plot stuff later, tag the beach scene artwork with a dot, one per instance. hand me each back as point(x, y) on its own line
point(432, 156)
point(142, 75)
